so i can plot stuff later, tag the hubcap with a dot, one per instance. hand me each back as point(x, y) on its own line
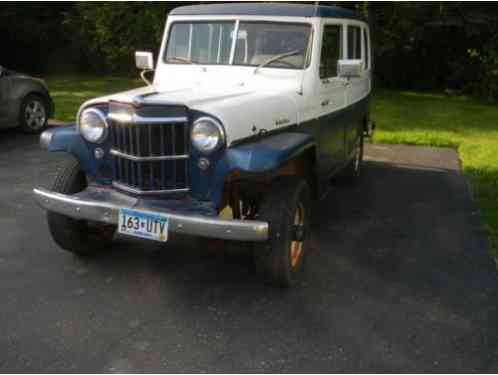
point(296, 248)
point(35, 115)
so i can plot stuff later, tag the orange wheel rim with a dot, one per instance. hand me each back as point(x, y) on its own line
point(296, 248)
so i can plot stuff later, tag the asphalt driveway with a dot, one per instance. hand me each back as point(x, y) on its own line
point(399, 281)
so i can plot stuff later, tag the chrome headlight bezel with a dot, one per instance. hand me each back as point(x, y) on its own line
point(207, 146)
point(84, 128)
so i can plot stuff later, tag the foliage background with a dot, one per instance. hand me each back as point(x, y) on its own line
point(423, 46)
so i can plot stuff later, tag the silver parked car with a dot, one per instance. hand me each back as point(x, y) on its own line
point(24, 102)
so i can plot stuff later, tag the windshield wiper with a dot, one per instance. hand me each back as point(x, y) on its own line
point(181, 59)
point(276, 58)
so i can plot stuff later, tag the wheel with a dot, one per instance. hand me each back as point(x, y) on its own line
point(79, 237)
point(33, 114)
point(287, 209)
point(353, 170)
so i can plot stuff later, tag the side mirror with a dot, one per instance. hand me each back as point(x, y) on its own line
point(349, 68)
point(144, 60)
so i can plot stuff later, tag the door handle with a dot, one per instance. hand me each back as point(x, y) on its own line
point(325, 103)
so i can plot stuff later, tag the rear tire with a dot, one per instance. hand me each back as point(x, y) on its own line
point(76, 236)
point(287, 209)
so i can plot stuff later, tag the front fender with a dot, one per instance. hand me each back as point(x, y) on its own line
point(268, 153)
point(260, 156)
point(67, 139)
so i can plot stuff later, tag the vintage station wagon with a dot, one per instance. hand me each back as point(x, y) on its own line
point(252, 110)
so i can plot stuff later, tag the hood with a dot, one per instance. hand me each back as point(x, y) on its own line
point(243, 109)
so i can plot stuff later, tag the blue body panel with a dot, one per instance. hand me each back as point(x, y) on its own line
point(67, 139)
point(260, 156)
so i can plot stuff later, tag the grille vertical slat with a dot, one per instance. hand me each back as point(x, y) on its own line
point(185, 142)
point(123, 138)
point(134, 142)
point(151, 153)
point(149, 130)
point(173, 151)
point(132, 151)
point(113, 142)
point(139, 153)
point(163, 152)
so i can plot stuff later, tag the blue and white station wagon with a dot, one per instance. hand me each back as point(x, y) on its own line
point(252, 110)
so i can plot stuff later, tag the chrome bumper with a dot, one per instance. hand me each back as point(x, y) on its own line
point(89, 207)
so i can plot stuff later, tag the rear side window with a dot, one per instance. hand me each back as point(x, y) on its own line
point(331, 50)
point(354, 43)
point(367, 49)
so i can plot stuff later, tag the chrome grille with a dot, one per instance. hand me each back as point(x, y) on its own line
point(150, 153)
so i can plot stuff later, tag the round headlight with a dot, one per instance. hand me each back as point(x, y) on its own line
point(207, 135)
point(92, 125)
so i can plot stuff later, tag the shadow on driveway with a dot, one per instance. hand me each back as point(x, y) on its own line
point(399, 280)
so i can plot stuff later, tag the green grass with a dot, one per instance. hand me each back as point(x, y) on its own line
point(416, 118)
point(69, 92)
point(462, 123)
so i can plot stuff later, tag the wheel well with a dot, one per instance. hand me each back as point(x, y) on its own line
point(241, 187)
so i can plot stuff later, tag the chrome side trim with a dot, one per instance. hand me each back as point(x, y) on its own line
point(136, 119)
point(132, 190)
point(147, 158)
point(107, 211)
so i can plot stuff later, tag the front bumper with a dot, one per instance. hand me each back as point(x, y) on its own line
point(103, 205)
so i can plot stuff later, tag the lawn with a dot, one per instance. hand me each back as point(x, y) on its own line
point(69, 92)
point(463, 123)
point(416, 118)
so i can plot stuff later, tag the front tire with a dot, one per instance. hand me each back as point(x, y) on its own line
point(76, 236)
point(287, 209)
point(33, 114)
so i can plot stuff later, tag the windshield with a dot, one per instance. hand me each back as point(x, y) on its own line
point(257, 44)
point(200, 43)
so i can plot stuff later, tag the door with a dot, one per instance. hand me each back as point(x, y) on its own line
point(358, 48)
point(332, 101)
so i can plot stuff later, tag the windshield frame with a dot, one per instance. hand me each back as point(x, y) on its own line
point(237, 21)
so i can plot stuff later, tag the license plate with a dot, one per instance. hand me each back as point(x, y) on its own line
point(143, 224)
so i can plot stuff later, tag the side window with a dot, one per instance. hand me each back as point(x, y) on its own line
point(354, 42)
point(367, 49)
point(331, 50)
